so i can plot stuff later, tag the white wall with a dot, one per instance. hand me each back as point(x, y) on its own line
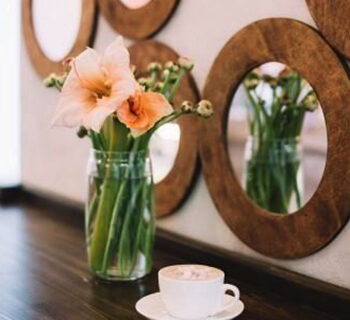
point(9, 94)
point(54, 159)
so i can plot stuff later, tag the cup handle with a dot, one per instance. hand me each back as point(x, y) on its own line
point(230, 287)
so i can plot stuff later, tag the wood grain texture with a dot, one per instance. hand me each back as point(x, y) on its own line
point(42, 64)
point(319, 221)
point(173, 189)
point(43, 274)
point(137, 23)
point(332, 18)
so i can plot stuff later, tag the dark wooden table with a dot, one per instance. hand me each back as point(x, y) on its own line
point(43, 274)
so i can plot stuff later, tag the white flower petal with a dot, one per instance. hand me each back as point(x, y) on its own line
point(87, 67)
point(116, 55)
point(96, 117)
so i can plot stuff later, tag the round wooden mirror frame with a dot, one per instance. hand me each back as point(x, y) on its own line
point(318, 222)
point(332, 18)
point(42, 64)
point(173, 189)
point(138, 23)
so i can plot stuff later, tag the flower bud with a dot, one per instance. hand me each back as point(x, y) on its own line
point(185, 63)
point(142, 81)
point(67, 63)
point(145, 82)
point(251, 84)
point(171, 66)
point(82, 132)
point(286, 72)
point(159, 85)
point(272, 81)
point(54, 80)
point(205, 109)
point(154, 67)
point(187, 106)
point(50, 81)
point(310, 102)
point(251, 81)
point(143, 88)
point(166, 74)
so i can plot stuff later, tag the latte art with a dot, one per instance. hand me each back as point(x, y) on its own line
point(192, 272)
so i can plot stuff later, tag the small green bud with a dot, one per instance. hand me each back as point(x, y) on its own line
point(205, 109)
point(251, 84)
point(185, 63)
point(284, 99)
point(154, 67)
point(143, 88)
point(146, 82)
point(82, 132)
point(272, 81)
point(251, 81)
point(142, 81)
point(166, 74)
point(50, 81)
point(159, 85)
point(53, 80)
point(310, 102)
point(171, 66)
point(187, 106)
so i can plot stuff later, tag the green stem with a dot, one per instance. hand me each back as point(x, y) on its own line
point(102, 223)
point(90, 215)
point(166, 84)
point(176, 85)
point(124, 262)
point(113, 227)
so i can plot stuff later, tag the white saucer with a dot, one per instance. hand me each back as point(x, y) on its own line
point(152, 307)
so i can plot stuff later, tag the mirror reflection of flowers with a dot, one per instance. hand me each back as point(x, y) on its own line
point(277, 107)
point(102, 97)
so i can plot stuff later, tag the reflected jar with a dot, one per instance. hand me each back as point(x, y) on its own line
point(273, 173)
point(119, 215)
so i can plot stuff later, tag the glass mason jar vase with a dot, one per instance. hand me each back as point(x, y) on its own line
point(120, 219)
point(273, 176)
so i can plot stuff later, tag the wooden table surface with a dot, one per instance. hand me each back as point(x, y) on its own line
point(43, 275)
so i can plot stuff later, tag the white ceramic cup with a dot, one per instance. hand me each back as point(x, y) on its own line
point(188, 299)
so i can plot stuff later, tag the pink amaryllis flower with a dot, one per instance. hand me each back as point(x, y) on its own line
point(95, 87)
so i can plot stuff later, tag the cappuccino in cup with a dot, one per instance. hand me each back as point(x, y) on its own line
point(192, 272)
point(194, 291)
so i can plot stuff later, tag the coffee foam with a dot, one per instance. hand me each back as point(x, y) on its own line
point(191, 272)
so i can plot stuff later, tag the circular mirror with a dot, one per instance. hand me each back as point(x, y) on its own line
point(332, 18)
point(325, 214)
point(137, 19)
point(55, 27)
point(277, 138)
point(174, 146)
point(135, 4)
point(164, 146)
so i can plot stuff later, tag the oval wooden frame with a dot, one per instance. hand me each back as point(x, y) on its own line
point(317, 223)
point(138, 23)
point(332, 18)
point(42, 64)
point(173, 189)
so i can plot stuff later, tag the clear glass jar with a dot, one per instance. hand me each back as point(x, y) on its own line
point(120, 219)
point(273, 175)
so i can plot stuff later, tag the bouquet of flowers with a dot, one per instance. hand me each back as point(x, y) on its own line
point(119, 112)
point(277, 107)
